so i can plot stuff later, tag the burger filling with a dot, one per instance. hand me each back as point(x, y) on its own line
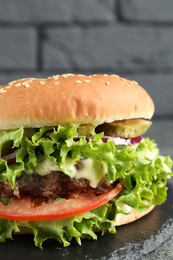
point(105, 170)
point(87, 176)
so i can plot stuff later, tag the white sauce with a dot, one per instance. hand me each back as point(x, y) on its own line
point(91, 171)
point(45, 167)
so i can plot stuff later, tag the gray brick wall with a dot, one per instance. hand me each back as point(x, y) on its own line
point(133, 38)
point(115, 47)
point(147, 11)
point(57, 11)
point(18, 48)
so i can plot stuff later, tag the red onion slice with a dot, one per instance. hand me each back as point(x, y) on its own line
point(122, 141)
point(116, 140)
point(10, 158)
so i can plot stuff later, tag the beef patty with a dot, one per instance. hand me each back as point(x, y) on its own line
point(54, 185)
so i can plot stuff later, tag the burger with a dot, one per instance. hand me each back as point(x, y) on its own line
point(73, 162)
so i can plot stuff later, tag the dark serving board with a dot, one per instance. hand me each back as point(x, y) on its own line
point(132, 241)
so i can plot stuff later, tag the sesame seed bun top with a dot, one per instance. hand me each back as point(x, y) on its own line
point(69, 98)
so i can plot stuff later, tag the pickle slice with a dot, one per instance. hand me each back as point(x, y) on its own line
point(125, 128)
point(85, 129)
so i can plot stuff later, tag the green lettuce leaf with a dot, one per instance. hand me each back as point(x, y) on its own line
point(7, 228)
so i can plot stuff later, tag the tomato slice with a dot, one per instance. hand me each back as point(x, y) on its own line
point(22, 209)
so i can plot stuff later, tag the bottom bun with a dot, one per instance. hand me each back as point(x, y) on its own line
point(121, 219)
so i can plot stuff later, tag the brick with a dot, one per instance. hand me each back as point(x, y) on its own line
point(120, 47)
point(140, 10)
point(159, 86)
point(18, 48)
point(44, 11)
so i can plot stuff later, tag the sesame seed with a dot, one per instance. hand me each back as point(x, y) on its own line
point(2, 90)
point(56, 83)
point(105, 75)
point(64, 75)
point(7, 87)
point(107, 83)
point(11, 83)
point(135, 82)
point(42, 82)
point(78, 81)
point(130, 83)
point(70, 74)
point(18, 85)
point(87, 80)
point(26, 85)
point(114, 75)
point(56, 77)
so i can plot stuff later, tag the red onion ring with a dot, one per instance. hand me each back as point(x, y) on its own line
point(122, 141)
point(10, 158)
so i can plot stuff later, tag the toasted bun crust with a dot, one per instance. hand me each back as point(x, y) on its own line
point(122, 219)
point(70, 98)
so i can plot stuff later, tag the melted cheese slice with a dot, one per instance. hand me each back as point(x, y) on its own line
point(90, 170)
